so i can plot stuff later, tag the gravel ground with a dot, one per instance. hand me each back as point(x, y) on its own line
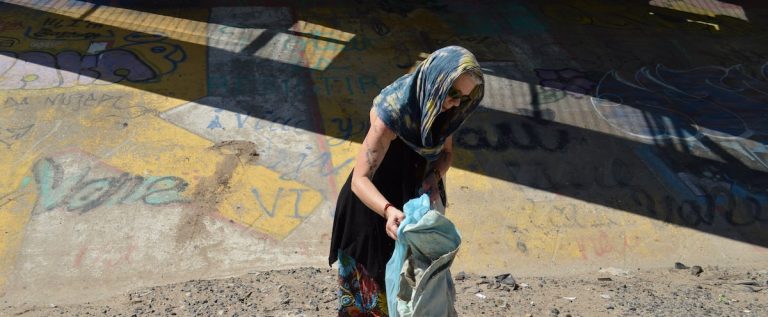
point(674, 291)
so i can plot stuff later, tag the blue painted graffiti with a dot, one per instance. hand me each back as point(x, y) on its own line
point(662, 103)
point(270, 123)
point(271, 211)
point(724, 104)
point(82, 194)
point(347, 128)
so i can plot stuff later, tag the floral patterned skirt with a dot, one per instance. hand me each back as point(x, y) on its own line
point(359, 294)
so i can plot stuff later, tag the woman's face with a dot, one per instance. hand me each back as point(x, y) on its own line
point(460, 90)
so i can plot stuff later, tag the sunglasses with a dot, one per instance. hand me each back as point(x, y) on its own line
point(454, 93)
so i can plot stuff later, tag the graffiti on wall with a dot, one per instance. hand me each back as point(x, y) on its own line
point(11, 134)
point(65, 29)
point(530, 152)
point(703, 195)
point(266, 202)
point(80, 191)
point(504, 136)
point(725, 104)
point(146, 59)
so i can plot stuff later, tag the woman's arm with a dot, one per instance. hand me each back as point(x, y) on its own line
point(446, 157)
point(375, 146)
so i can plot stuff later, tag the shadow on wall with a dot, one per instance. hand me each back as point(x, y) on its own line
point(685, 129)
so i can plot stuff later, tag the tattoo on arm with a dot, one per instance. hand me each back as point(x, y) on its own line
point(372, 156)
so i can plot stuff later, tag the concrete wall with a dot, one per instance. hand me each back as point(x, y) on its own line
point(144, 146)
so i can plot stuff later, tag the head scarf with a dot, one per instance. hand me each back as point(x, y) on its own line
point(410, 106)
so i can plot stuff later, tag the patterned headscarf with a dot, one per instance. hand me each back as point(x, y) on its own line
point(410, 106)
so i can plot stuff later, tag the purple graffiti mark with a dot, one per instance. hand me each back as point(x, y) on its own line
point(144, 61)
point(573, 82)
point(163, 57)
point(719, 102)
point(42, 70)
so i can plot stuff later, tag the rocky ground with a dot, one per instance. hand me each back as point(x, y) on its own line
point(675, 291)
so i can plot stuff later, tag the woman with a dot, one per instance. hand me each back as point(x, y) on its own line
point(406, 152)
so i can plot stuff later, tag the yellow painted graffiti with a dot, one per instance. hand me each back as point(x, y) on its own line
point(266, 203)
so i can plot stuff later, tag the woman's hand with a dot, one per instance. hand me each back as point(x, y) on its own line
point(394, 218)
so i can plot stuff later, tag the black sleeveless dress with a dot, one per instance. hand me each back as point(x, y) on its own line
point(359, 231)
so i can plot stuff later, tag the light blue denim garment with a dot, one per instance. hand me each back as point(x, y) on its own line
point(425, 285)
point(414, 210)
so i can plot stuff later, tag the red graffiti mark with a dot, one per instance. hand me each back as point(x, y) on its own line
point(582, 249)
point(599, 244)
point(106, 256)
point(125, 257)
point(602, 245)
point(79, 257)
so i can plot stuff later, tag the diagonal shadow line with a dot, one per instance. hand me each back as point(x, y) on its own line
point(259, 42)
point(90, 11)
point(315, 37)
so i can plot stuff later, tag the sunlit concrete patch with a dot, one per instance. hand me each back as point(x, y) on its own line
point(710, 8)
point(262, 201)
point(319, 44)
point(567, 235)
point(157, 147)
point(302, 43)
